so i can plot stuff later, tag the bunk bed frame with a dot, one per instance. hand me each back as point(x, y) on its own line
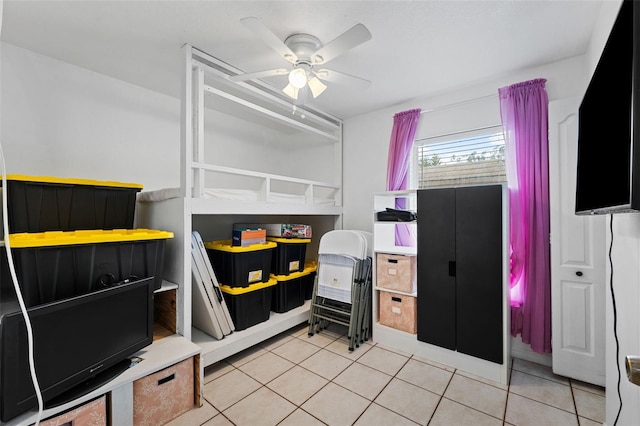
point(208, 199)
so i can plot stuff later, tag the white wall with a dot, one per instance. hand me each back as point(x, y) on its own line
point(65, 121)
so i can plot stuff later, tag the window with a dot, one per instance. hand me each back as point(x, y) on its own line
point(464, 158)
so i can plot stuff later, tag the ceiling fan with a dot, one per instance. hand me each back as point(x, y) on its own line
point(306, 53)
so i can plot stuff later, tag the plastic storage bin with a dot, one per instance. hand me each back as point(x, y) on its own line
point(396, 272)
point(250, 305)
point(398, 311)
point(289, 255)
point(240, 266)
point(52, 266)
point(45, 203)
point(290, 291)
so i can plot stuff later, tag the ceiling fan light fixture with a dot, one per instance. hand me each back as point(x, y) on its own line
point(298, 78)
point(316, 86)
point(291, 91)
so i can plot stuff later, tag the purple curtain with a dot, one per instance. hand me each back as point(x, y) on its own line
point(400, 146)
point(523, 110)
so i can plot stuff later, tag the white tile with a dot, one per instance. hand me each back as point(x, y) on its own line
point(216, 370)
point(434, 363)
point(341, 347)
point(276, 341)
point(326, 364)
point(377, 415)
point(219, 420)
point(451, 413)
point(425, 375)
point(383, 360)
point(261, 408)
point(523, 411)
point(335, 405)
point(408, 400)
point(245, 356)
point(363, 380)
point(588, 422)
point(542, 390)
point(297, 385)
point(266, 367)
point(296, 350)
point(195, 416)
point(483, 380)
point(320, 339)
point(229, 389)
point(588, 387)
point(300, 418)
point(590, 405)
point(538, 370)
point(477, 395)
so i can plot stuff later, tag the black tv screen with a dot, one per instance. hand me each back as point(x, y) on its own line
point(79, 343)
point(608, 150)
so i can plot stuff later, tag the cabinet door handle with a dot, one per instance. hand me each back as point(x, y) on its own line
point(579, 273)
point(166, 379)
point(452, 268)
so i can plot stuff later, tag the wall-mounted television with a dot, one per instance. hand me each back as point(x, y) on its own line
point(608, 172)
point(79, 344)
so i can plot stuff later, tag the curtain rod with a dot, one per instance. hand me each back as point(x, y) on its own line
point(480, 98)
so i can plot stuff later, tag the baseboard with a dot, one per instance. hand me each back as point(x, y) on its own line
point(523, 351)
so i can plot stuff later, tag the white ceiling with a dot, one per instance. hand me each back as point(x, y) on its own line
point(418, 48)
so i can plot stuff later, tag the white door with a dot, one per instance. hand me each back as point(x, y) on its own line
point(578, 253)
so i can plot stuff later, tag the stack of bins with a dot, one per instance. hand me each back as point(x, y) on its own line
point(244, 274)
point(74, 236)
point(291, 272)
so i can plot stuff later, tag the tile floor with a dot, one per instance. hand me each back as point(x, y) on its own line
point(294, 379)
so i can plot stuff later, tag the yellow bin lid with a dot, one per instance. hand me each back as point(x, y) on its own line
point(289, 240)
point(65, 238)
point(73, 181)
point(225, 245)
point(252, 287)
point(294, 275)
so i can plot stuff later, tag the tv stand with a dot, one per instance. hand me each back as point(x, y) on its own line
point(89, 385)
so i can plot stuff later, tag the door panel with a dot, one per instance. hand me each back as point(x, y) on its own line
point(578, 246)
point(480, 271)
point(436, 249)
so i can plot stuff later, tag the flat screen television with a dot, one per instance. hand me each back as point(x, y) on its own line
point(608, 172)
point(80, 343)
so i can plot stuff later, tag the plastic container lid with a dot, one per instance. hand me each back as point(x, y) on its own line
point(225, 245)
point(294, 275)
point(61, 238)
point(289, 240)
point(72, 181)
point(252, 287)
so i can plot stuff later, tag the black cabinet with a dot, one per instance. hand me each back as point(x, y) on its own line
point(460, 269)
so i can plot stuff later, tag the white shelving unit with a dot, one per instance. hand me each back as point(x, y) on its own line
point(384, 242)
point(310, 177)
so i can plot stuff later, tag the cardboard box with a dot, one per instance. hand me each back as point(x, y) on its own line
point(396, 272)
point(398, 311)
point(244, 237)
point(288, 230)
point(162, 396)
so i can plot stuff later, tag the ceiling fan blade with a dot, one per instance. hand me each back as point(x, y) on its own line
point(255, 25)
point(351, 38)
point(258, 74)
point(342, 78)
